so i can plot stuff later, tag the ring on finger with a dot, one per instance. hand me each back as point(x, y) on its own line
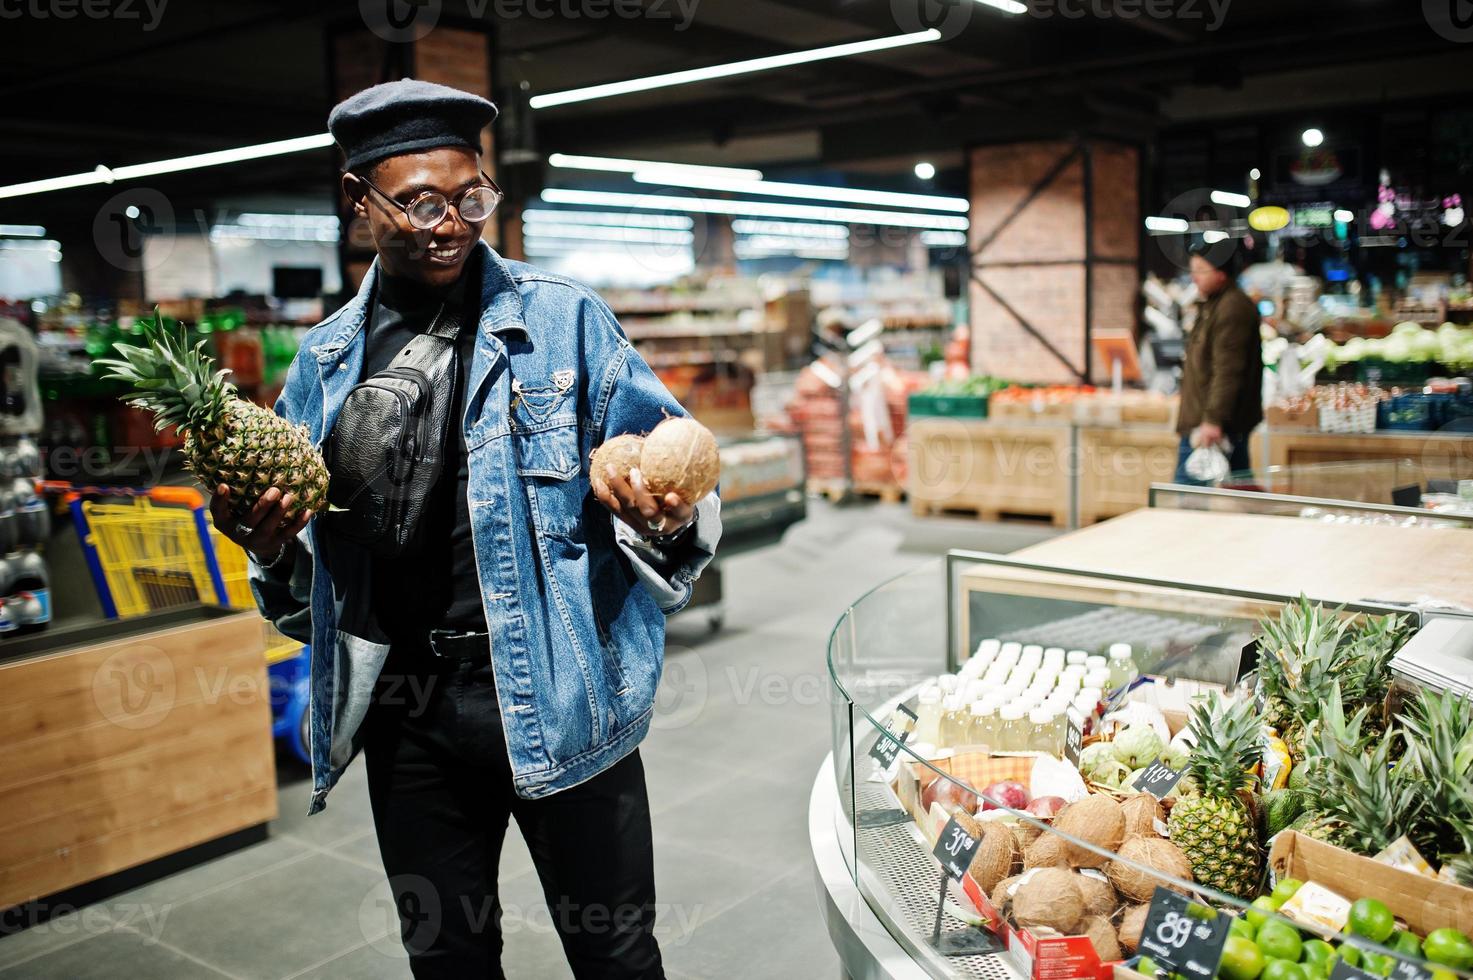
point(244, 530)
point(657, 526)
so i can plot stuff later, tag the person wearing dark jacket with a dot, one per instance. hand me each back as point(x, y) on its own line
point(1222, 375)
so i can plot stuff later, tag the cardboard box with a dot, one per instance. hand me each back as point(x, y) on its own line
point(1041, 957)
point(1424, 903)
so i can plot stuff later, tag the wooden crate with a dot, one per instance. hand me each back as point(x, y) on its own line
point(1117, 467)
point(989, 468)
point(120, 751)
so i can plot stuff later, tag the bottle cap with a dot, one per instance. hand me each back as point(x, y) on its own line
point(930, 695)
point(980, 708)
point(947, 682)
point(1010, 649)
point(1012, 712)
point(1095, 662)
point(1041, 716)
point(988, 648)
point(1119, 650)
point(1097, 678)
point(1089, 696)
point(951, 702)
point(1054, 655)
point(1076, 670)
point(1077, 656)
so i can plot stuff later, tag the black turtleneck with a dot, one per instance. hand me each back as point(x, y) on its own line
point(433, 585)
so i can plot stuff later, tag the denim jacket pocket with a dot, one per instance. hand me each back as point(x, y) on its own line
point(548, 462)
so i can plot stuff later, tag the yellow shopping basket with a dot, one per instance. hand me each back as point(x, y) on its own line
point(155, 549)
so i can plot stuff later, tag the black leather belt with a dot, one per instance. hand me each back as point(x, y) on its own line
point(458, 646)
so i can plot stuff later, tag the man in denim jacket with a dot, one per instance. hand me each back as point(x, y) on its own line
point(507, 664)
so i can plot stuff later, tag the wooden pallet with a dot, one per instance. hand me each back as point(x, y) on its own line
point(982, 512)
point(836, 491)
point(885, 493)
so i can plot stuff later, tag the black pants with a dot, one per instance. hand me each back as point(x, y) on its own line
point(441, 789)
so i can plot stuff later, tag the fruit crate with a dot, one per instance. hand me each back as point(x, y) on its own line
point(948, 406)
point(1409, 412)
point(1375, 371)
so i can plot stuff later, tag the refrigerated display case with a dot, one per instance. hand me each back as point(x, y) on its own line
point(890, 909)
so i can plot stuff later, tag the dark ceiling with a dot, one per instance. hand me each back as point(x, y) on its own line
point(134, 87)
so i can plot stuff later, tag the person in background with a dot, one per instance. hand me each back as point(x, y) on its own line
point(1222, 373)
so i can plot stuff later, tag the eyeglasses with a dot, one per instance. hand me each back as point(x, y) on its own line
point(429, 208)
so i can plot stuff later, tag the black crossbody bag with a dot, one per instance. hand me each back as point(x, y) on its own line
point(387, 447)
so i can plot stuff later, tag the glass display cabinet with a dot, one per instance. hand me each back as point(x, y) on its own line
point(884, 808)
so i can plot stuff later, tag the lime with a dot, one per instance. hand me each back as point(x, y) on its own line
point(1348, 953)
point(1276, 969)
point(1279, 940)
point(1257, 911)
point(1147, 966)
point(1449, 947)
point(1372, 919)
point(1241, 959)
point(1378, 963)
point(1406, 943)
point(1317, 951)
point(1286, 888)
point(1316, 969)
point(1443, 975)
point(1240, 926)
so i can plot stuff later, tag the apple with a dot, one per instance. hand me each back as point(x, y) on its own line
point(1007, 793)
point(1044, 807)
point(949, 795)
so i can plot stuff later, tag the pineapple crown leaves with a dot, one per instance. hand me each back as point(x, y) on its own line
point(1229, 745)
point(176, 383)
point(1358, 782)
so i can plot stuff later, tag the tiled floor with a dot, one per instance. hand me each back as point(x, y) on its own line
point(742, 724)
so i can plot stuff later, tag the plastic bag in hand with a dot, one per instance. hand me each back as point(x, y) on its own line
point(1209, 464)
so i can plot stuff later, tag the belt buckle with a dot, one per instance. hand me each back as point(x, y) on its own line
point(452, 641)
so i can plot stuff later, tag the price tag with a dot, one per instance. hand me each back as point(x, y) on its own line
point(954, 849)
point(1183, 936)
point(1158, 779)
point(1409, 970)
point(902, 722)
point(1073, 738)
point(1344, 971)
point(1407, 496)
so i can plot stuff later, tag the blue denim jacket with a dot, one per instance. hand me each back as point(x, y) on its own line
point(575, 602)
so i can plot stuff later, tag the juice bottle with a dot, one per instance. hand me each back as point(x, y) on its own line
point(1032, 655)
point(947, 683)
point(979, 727)
point(954, 720)
point(1098, 677)
point(928, 717)
point(1012, 735)
point(1041, 731)
point(1122, 667)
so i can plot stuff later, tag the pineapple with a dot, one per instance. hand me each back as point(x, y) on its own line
point(1372, 802)
point(1302, 630)
point(226, 439)
point(1438, 729)
point(1217, 830)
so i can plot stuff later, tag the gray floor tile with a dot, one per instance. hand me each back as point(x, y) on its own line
point(284, 921)
point(207, 878)
point(46, 937)
point(109, 955)
point(381, 959)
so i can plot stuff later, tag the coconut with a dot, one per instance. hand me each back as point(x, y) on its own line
point(680, 457)
point(995, 854)
point(1141, 813)
point(1096, 819)
point(1153, 852)
point(1099, 894)
point(1025, 833)
point(1048, 851)
point(623, 451)
point(1049, 899)
point(1102, 936)
point(1000, 896)
point(1132, 924)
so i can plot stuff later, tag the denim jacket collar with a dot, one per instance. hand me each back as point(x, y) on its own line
point(501, 307)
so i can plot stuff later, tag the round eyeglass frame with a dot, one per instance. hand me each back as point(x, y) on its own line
point(443, 209)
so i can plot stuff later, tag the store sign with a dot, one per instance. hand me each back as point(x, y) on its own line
point(1158, 779)
point(1269, 218)
point(1073, 738)
point(954, 849)
point(1314, 216)
point(1344, 971)
point(1183, 936)
point(902, 721)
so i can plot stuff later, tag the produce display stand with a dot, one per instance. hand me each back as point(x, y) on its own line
point(1172, 496)
point(1440, 455)
point(1201, 580)
point(1068, 473)
point(128, 741)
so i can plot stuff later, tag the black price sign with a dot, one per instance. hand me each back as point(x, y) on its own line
point(885, 750)
point(1183, 936)
point(1409, 970)
point(1344, 971)
point(1158, 779)
point(1073, 738)
point(954, 849)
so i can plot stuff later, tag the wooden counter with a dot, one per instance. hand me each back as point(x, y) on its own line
point(1437, 455)
point(135, 740)
point(1286, 556)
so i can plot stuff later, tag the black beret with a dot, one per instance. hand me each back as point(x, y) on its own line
point(407, 116)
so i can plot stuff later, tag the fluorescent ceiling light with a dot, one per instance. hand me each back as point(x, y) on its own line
point(761, 242)
point(1230, 199)
point(22, 231)
point(593, 233)
point(925, 170)
point(733, 68)
point(754, 209)
point(809, 192)
point(943, 239)
point(555, 246)
point(1344, 217)
point(1214, 235)
point(619, 165)
point(1254, 174)
point(327, 222)
point(800, 253)
point(31, 245)
point(1006, 6)
point(1312, 137)
point(1155, 223)
point(797, 229)
point(533, 216)
point(104, 175)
